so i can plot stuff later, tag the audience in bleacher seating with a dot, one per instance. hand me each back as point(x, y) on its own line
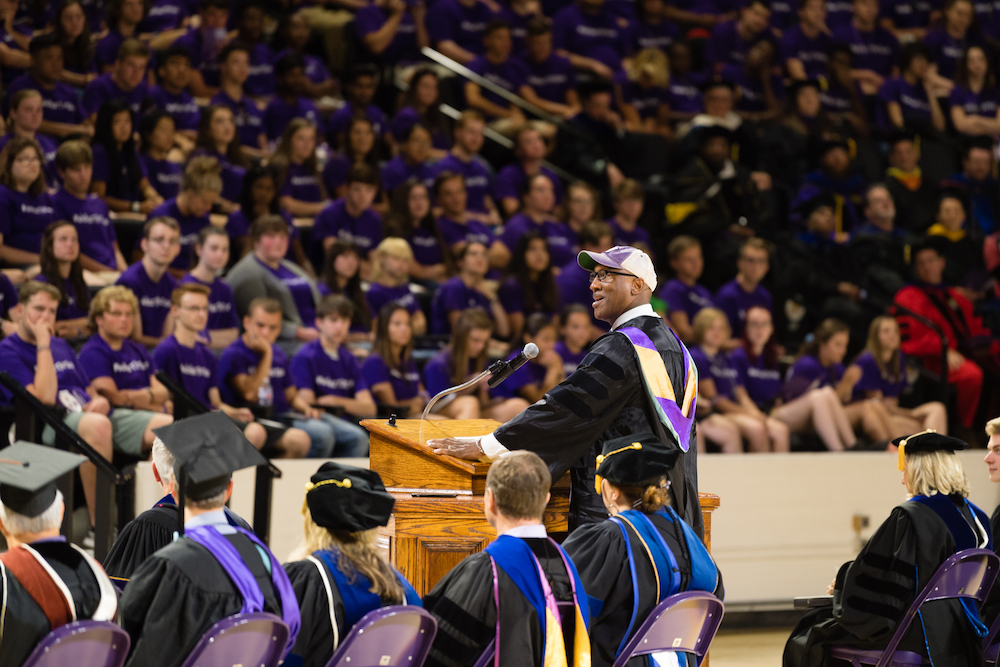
point(342, 275)
point(540, 375)
point(550, 83)
point(420, 104)
point(949, 39)
point(72, 27)
point(390, 371)
point(731, 41)
point(537, 214)
point(628, 200)
point(468, 289)
point(259, 197)
point(973, 100)
point(150, 279)
point(465, 161)
point(455, 28)
point(234, 69)
point(359, 90)
point(291, 100)
point(211, 252)
point(62, 111)
point(874, 50)
point(582, 205)
point(411, 219)
point(250, 26)
point(737, 296)
point(26, 207)
point(457, 227)
point(300, 188)
point(360, 148)
point(588, 33)
point(413, 161)
point(393, 31)
point(205, 42)
point(123, 17)
point(390, 282)
point(497, 66)
point(351, 219)
point(200, 187)
point(60, 265)
point(530, 286)
point(173, 72)
point(910, 100)
point(218, 137)
point(119, 176)
point(293, 34)
point(530, 150)
point(125, 80)
point(574, 336)
point(683, 296)
point(157, 136)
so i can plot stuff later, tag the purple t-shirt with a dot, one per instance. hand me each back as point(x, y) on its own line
point(130, 367)
point(511, 179)
point(625, 237)
point(984, 103)
point(946, 50)
point(512, 297)
point(232, 175)
point(154, 298)
point(301, 290)
point(165, 15)
point(301, 184)
point(876, 50)
point(49, 148)
point(561, 239)
point(403, 47)
point(11, 73)
point(531, 373)
point(405, 383)
point(69, 311)
point(597, 36)
point(378, 295)
point(727, 46)
point(8, 295)
point(684, 95)
point(341, 119)
point(182, 108)
point(221, 303)
point(427, 250)
point(193, 367)
point(571, 360)
point(551, 78)
point(261, 81)
point(397, 171)
point(280, 113)
point(477, 179)
point(128, 189)
point(573, 283)
point(839, 13)
point(654, 35)
point(646, 101)
point(437, 377)
point(191, 226)
point(335, 172)
point(204, 52)
point(165, 176)
point(104, 89)
point(93, 225)
point(453, 294)
point(365, 231)
point(59, 105)
point(912, 100)
point(315, 69)
point(813, 53)
point(751, 91)
point(683, 298)
point(734, 301)
point(238, 359)
point(806, 371)
point(762, 384)
point(872, 378)
point(247, 115)
point(719, 368)
point(19, 358)
point(510, 75)
point(407, 117)
point(908, 13)
point(106, 51)
point(835, 98)
point(327, 374)
point(453, 21)
point(472, 231)
point(24, 217)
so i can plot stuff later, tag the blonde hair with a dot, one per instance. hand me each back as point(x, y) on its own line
point(654, 64)
point(390, 247)
point(704, 320)
point(202, 174)
point(360, 556)
point(928, 473)
point(993, 426)
point(892, 369)
point(102, 301)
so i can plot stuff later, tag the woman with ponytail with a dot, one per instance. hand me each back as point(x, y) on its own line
point(342, 575)
point(621, 560)
point(200, 189)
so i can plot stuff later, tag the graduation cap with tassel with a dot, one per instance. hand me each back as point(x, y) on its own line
point(28, 475)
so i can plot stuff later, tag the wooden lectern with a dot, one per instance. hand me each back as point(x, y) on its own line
point(438, 519)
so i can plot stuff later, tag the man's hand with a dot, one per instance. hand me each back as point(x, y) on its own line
point(461, 448)
point(256, 343)
point(43, 332)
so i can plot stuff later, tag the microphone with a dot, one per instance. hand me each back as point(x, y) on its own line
point(501, 370)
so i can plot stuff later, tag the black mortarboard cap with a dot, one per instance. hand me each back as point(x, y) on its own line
point(635, 460)
point(706, 132)
point(28, 475)
point(347, 498)
point(927, 441)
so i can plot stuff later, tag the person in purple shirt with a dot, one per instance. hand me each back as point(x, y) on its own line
point(259, 198)
point(652, 30)
point(455, 28)
point(13, 44)
point(327, 374)
point(250, 29)
point(644, 101)
point(74, 31)
point(173, 71)
point(529, 287)
point(234, 69)
point(120, 177)
point(589, 34)
point(551, 80)
point(157, 134)
point(538, 197)
point(975, 101)
point(218, 138)
point(301, 190)
point(737, 296)
point(351, 219)
point(909, 19)
point(123, 18)
point(464, 160)
point(421, 105)
point(410, 218)
point(359, 148)
point(212, 251)
point(498, 67)
point(124, 81)
point(359, 92)
point(393, 31)
point(390, 282)
point(805, 47)
point(25, 121)
point(8, 299)
point(949, 41)
point(629, 199)
point(290, 101)
point(757, 363)
point(150, 281)
point(413, 161)
point(165, 15)
point(60, 265)
point(26, 209)
point(390, 371)
point(731, 40)
point(529, 149)
point(456, 227)
point(874, 50)
point(905, 99)
point(760, 90)
point(200, 188)
point(574, 334)
point(295, 34)
point(541, 374)
point(684, 89)
point(205, 44)
point(467, 290)
point(683, 295)
point(62, 112)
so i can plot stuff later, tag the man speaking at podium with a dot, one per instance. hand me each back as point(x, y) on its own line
point(638, 377)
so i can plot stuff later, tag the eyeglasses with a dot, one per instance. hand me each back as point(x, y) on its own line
point(119, 313)
point(602, 275)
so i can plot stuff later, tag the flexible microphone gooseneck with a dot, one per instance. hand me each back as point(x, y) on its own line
point(501, 370)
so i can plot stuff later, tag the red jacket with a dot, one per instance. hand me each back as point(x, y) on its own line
point(923, 342)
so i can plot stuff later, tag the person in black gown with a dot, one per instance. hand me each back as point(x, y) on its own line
point(40, 567)
point(217, 570)
point(991, 608)
point(871, 593)
point(153, 529)
point(643, 535)
point(504, 580)
point(342, 575)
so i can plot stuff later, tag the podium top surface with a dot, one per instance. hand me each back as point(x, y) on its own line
point(407, 432)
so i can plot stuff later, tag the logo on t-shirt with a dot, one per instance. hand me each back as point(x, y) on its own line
point(134, 366)
point(194, 370)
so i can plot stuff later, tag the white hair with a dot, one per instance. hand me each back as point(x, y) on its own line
point(18, 524)
point(164, 462)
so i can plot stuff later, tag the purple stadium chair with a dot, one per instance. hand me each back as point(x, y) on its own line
point(967, 574)
point(395, 636)
point(84, 643)
point(685, 622)
point(254, 640)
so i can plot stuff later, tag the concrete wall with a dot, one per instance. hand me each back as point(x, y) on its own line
point(784, 528)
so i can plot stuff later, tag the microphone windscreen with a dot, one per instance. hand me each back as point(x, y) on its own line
point(531, 350)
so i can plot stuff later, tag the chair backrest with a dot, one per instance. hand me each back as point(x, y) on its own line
point(88, 643)
point(396, 635)
point(685, 622)
point(966, 574)
point(257, 639)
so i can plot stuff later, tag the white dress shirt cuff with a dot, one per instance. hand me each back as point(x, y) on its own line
point(492, 447)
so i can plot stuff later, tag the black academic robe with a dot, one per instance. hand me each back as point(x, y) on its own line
point(145, 535)
point(315, 640)
point(874, 591)
point(598, 550)
point(463, 604)
point(178, 594)
point(991, 608)
point(24, 623)
point(605, 398)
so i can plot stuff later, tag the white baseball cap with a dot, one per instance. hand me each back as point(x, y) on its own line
point(624, 257)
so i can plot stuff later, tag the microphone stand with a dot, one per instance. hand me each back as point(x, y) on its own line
point(495, 367)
